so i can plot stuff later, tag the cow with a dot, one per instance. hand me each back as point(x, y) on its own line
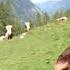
point(62, 19)
point(2, 38)
point(27, 24)
point(22, 35)
point(8, 34)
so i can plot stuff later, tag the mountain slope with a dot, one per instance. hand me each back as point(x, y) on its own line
point(24, 9)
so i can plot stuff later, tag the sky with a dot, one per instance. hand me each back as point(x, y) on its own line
point(42, 1)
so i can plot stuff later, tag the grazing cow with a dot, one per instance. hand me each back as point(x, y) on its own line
point(22, 35)
point(62, 19)
point(63, 61)
point(27, 24)
point(2, 37)
point(8, 34)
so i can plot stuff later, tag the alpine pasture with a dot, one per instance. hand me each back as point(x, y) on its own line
point(38, 50)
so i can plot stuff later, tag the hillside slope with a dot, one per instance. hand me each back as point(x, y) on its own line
point(38, 50)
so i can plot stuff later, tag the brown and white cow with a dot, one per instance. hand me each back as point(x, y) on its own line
point(62, 19)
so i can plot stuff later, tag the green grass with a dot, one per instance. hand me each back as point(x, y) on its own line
point(38, 50)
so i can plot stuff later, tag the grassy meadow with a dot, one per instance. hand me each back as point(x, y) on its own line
point(38, 50)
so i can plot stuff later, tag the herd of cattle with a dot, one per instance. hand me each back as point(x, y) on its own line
point(8, 34)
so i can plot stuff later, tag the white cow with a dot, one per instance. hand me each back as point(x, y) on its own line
point(9, 31)
point(62, 19)
point(2, 37)
point(27, 24)
point(22, 35)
